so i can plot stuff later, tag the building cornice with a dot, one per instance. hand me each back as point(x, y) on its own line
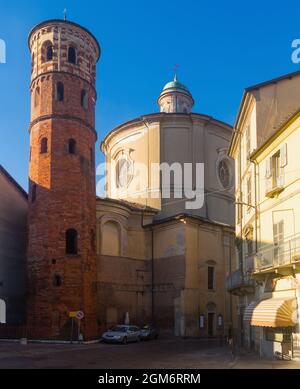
point(62, 117)
point(60, 72)
point(159, 117)
point(255, 155)
point(245, 106)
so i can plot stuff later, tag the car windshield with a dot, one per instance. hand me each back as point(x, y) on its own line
point(119, 329)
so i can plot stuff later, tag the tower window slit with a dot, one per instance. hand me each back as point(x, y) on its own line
point(60, 91)
point(71, 242)
point(72, 55)
point(44, 145)
point(72, 146)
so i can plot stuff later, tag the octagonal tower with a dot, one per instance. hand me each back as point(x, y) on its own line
point(62, 194)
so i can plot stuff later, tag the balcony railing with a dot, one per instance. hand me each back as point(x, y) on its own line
point(239, 283)
point(272, 256)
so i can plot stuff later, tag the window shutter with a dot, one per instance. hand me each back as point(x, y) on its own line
point(268, 174)
point(281, 229)
point(275, 233)
point(283, 155)
point(268, 164)
point(280, 180)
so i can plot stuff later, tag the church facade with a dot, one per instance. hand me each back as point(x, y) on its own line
point(168, 257)
point(134, 253)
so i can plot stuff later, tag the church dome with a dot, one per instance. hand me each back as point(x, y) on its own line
point(175, 98)
point(175, 85)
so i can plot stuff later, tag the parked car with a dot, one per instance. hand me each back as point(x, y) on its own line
point(148, 332)
point(122, 334)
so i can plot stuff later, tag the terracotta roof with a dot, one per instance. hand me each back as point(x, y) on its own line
point(132, 206)
point(273, 80)
point(13, 181)
point(181, 216)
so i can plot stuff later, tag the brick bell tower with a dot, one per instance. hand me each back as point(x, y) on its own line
point(62, 193)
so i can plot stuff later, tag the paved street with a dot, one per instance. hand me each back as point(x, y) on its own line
point(163, 353)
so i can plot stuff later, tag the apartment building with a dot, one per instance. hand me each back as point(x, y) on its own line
point(266, 279)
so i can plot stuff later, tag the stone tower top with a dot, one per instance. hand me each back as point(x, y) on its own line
point(64, 46)
point(175, 98)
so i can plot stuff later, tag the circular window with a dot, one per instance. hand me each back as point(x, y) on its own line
point(124, 172)
point(224, 173)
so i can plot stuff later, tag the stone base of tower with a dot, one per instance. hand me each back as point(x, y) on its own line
point(72, 330)
point(59, 323)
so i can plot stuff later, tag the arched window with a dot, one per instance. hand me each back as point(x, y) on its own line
point(72, 146)
point(33, 193)
point(49, 53)
point(57, 280)
point(111, 239)
point(44, 146)
point(124, 172)
point(71, 242)
point(37, 96)
point(72, 55)
point(84, 99)
point(210, 278)
point(60, 91)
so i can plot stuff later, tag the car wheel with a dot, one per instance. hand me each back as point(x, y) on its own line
point(124, 341)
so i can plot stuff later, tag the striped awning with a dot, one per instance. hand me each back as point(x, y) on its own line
point(273, 312)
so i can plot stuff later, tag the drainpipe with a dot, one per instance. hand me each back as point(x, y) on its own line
point(255, 205)
point(152, 265)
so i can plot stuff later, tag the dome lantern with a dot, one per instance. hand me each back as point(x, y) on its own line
point(175, 98)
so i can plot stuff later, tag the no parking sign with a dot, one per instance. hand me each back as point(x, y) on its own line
point(79, 315)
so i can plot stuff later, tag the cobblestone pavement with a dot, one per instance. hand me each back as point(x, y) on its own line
point(162, 353)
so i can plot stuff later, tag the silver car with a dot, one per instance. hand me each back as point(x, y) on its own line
point(122, 334)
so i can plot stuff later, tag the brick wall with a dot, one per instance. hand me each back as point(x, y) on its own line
point(65, 184)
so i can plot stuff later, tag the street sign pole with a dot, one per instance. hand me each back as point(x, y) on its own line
point(72, 326)
point(79, 322)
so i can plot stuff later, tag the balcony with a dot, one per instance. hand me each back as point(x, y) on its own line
point(280, 259)
point(239, 284)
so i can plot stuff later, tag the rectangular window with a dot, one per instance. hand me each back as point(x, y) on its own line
point(249, 242)
point(249, 192)
point(278, 239)
point(239, 209)
point(275, 171)
point(240, 255)
point(248, 142)
point(210, 277)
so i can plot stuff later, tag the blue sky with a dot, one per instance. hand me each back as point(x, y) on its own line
point(221, 47)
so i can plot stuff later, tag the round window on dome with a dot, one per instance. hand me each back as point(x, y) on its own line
point(124, 172)
point(224, 173)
